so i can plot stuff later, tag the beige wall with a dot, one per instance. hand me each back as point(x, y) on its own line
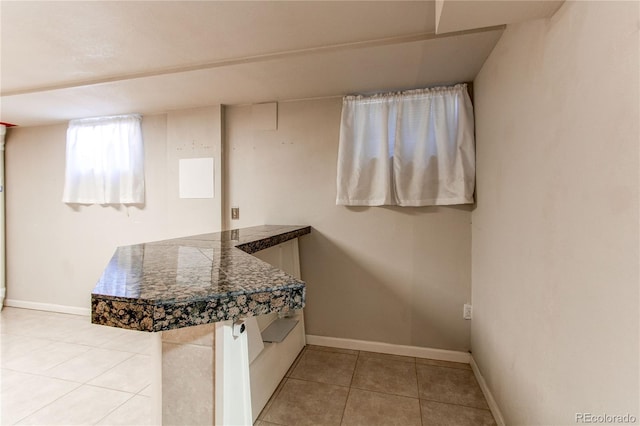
point(555, 232)
point(56, 252)
point(394, 275)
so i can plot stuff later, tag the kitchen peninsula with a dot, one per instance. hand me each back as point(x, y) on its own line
point(194, 293)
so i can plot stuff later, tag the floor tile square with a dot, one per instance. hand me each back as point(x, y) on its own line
point(10, 378)
point(450, 385)
point(325, 367)
point(45, 357)
point(366, 408)
point(136, 411)
point(88, 365)
point(84, 405)
point(440, 414)
point(13, 346)
point(131, 375)
point(23, 394)
point(383, 375)
point(307, 403)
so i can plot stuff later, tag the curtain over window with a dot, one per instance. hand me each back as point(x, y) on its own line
point(413, 148)
point(105, 161)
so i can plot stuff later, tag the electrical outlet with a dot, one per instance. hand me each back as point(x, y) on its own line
point(467, 312)
point(235, 213)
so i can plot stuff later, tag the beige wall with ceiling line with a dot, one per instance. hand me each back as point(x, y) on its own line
point(389, 274)
point(385, 274)
point(57, 252)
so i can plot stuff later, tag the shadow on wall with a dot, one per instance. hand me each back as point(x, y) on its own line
point(76, 207)
point(413, 211)
point(370, 299)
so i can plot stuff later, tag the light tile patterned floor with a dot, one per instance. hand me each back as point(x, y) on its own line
point(329, 386)
point(59, 369)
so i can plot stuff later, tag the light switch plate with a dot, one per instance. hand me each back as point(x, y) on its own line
point(235, 213)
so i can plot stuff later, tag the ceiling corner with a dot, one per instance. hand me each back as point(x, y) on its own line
point(463, 15)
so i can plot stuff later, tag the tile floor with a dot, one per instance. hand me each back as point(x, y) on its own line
point(58, 369)
point(327, 386)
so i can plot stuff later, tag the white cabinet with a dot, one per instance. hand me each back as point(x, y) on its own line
point(272, 363)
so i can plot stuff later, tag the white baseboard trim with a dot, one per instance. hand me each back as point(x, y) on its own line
point(387, 348)
point(493, 405)
point(47, 307)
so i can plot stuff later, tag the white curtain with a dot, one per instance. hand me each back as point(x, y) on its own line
point(414, 148)
point(105, 161)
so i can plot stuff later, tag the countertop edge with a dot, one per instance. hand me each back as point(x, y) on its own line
point(150, 315)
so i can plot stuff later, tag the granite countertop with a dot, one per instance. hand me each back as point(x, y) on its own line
point(196, 280)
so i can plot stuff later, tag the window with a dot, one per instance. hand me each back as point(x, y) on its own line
point(105, 161)
point(413, 148)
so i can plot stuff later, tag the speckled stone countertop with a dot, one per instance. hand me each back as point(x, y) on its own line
point(196, 280)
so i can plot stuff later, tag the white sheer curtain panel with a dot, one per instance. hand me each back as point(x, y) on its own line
point(414, 148)
point(105, 161)
point(366, 145)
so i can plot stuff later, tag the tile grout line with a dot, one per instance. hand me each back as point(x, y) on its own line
point(47, 342)
point(109, 413)
point(296, 361)
point(353, 374)
point(318, 383)
point(267, 407)
point(415, 367)
point(139, 393)
point(62, 362)
point(72, 390)
point(281, 385)
point(420, 399)
point(87, 381)
point(359, 355)
point(265, 410)
point(384, 393)
point(351, 385)
point(109, 369)
point(30, 373)
point(275, 395)
point(46, 405)
point(51, 341)
point(453, 403)
point(115, 390)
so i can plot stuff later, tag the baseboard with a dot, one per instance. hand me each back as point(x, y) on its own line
point(493, 405)
point(47, 307)
point(387, 348)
